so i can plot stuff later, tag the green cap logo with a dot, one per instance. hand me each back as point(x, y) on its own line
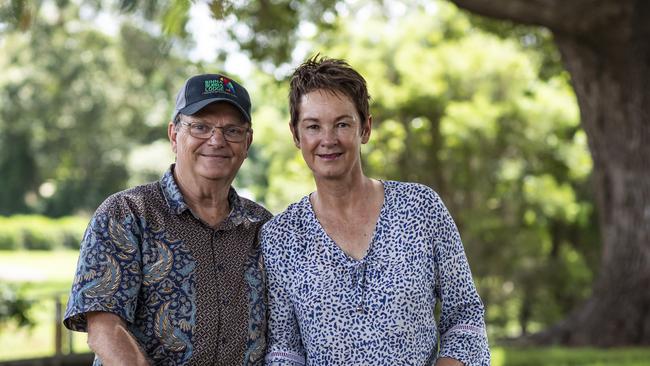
point(221, 85)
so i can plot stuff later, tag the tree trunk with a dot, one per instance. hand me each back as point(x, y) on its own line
point(612, 85)
point(609, 65)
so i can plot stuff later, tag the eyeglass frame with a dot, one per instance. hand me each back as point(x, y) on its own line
point(213, 128)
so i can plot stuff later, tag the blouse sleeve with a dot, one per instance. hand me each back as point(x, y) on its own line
point(462, 326)
point(285, 344)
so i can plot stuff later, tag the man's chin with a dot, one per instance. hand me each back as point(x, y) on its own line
point(213, 174)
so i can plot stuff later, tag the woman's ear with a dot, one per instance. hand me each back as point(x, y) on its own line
point(366, 128)
point(294, 134)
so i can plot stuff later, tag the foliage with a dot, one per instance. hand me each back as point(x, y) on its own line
point(34, 232)
point(471, 115)
point(73, 102)
point(469, 108)
point(14, 307)
point(474, 116)
point(39, 277)
point(275, 172)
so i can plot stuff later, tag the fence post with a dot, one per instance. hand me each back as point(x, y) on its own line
point(58, 331)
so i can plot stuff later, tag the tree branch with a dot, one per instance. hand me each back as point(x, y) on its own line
point(575, 17)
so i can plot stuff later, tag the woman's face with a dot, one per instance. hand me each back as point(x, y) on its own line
point(329, 133)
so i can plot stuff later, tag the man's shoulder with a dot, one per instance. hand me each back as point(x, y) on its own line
point(256, 210)
point(134, 200)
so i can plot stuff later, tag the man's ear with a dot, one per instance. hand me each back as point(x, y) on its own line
point(365, 130)
point(249, 141)
point(294, 134)
point(172, 134)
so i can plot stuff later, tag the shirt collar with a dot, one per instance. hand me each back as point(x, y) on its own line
point(239, 213)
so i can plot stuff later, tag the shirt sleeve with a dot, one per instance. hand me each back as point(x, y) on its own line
point(285, 345)
point(108, 275)
point(462, 325)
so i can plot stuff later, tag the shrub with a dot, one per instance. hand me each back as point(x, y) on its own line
point(10, 238)
point(34, 232)
point(72, 230)
point(14, 307)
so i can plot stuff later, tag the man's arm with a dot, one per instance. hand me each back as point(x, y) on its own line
point(112, 342)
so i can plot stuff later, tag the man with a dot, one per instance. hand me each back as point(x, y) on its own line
point(169, 272)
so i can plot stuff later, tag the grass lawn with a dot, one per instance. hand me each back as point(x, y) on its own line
point(42, 276)
point(560, 356)
point(37, 266)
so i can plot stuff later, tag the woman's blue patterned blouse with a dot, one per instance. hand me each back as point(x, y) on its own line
point(327, 308)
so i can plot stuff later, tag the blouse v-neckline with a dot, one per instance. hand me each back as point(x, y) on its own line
point(332, 242)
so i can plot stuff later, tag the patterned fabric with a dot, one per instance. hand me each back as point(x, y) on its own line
point(189, 293)
point(327, 308)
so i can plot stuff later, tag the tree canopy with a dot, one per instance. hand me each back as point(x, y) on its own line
point(481, 111)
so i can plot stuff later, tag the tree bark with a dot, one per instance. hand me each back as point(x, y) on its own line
point(609, 64)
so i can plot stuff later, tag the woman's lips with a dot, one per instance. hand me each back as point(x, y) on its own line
point(329, 156)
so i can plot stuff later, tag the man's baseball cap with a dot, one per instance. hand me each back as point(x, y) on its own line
point(201, 90)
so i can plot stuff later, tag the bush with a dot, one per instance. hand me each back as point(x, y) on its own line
point(14, 307)
point(9, 239)
point(34, 232)
point(72, 230)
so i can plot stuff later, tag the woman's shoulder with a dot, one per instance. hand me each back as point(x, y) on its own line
point(410, 191)
point(286, 221)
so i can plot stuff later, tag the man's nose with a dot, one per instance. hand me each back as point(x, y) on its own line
point(217, 137)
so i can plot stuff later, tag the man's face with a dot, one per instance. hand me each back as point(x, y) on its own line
point(212, 158)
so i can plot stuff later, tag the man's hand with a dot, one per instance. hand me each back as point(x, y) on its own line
point(446, 361)
point(112, 342)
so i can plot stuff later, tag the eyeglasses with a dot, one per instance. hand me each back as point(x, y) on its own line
point(230, 133)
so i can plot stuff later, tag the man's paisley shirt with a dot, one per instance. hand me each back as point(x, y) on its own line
point(189, 293)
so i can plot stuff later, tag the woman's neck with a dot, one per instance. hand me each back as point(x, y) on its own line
point(344, 194)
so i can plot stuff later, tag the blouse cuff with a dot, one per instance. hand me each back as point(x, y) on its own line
point(466, 343)
point(289, 358)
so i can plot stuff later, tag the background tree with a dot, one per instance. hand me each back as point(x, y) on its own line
point(496, 134)
point(605, 45)
point(470, 115)
point(75, 101)
point(487, 119)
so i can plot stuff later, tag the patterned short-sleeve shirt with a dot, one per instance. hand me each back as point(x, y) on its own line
point(327, 308)
point(190, 294)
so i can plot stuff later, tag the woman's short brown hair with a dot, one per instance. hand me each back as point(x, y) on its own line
point(332, 75)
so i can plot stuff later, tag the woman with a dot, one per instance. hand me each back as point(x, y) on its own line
point(356, 268)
